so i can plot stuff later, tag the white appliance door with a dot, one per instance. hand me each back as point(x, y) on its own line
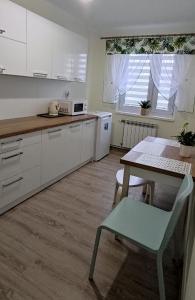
point(103, 145)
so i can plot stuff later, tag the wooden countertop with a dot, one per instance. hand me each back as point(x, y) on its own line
point(12, 127)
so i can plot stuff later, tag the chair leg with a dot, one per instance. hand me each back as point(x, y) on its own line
point(115, 194)
point(160, 277)
point(95, 250)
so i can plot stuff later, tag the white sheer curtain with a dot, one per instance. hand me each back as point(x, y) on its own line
point(176, 74)
point(116, 73)
point(121, 73)
point(185, 98)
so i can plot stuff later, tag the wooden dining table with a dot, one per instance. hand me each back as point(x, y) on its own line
point(158, 159)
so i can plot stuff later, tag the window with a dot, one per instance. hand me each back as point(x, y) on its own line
point(143, 88)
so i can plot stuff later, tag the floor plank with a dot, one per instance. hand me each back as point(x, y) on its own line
point(47, 242)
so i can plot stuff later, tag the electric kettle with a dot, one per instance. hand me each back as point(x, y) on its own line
point(54, 108)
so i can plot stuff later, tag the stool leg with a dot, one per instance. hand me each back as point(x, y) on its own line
point(152, 188)
point(147, 192)
point(144, 191)
point(115, 194)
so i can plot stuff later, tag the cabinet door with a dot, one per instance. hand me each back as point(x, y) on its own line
point(53, 153)
point(88, 140)
point(73, 145)
point(79, 52)
point(12, 21)
point(61, 61)
point(12, 57)
point(39, 41)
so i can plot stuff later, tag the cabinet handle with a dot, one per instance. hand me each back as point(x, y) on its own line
point(88, 123)
point(12, 156)
point(42, 75)
point(56, 130)
point(2, 31)
point(10, 183)
point(74, 126)
point(77, 79)
point(2, 69)
point(61, 77)
point(10, 142)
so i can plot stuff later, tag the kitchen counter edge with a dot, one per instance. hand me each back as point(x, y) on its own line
point(18, 126)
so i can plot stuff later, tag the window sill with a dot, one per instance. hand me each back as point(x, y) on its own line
point(136, 115)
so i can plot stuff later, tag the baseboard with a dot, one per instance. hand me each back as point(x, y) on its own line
point(119, 148)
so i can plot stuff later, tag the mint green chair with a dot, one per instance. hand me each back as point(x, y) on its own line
point(145, 226)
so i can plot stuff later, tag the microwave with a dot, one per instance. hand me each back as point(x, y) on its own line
point(72, 107)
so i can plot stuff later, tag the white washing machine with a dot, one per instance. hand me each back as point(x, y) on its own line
point(103, 134)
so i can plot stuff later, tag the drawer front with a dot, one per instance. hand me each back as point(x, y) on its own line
point(10, 144)
point(19, 185)
point(20, 160)
point(17, 142)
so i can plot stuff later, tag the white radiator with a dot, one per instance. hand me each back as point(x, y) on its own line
point(134, 132)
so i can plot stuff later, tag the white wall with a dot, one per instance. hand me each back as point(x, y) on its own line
point(23, 96)
point(95, 92)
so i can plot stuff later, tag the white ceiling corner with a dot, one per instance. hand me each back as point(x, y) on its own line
point(117, 17)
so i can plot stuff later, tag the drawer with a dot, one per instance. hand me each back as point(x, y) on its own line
point(19, 141)
point(20, 160)
point(19, 185)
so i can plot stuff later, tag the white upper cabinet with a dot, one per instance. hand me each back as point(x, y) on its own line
point(39, 45)
point(31, 45)
point(61, 58)
point(12, 57)
point(79, 51)
point(69, 55)
point(12, 21)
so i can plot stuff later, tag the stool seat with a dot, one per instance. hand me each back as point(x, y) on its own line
point(148, 186)
point(133, 180)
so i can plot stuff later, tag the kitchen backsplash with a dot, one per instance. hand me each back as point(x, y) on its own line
point(21, 96)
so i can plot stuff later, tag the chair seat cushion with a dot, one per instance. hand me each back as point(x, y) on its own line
point(133, 180)
point(138, 222)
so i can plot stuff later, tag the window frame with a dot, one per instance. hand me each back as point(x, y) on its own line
point(152, 95)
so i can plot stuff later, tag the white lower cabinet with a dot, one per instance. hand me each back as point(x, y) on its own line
point(65, 148)
point(88, 140)
point(18, 185)
point(61, 151)
point(53, 153)
point(30, 162)
point(73, 143)
point(20, 160)
point(20, 141)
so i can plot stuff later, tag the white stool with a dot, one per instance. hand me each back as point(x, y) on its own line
point(134, 181)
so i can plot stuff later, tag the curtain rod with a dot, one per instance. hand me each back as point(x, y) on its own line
point(147, 35)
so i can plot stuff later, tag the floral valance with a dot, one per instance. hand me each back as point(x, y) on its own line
point(180, 44)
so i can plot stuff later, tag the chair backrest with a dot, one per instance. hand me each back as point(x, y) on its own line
point(184, 192)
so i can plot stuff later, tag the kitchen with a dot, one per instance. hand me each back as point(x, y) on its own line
point(55, 135)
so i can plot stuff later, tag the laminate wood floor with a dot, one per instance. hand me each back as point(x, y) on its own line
point(46, 244)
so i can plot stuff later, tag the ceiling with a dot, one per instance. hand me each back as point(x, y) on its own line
point(109, 16)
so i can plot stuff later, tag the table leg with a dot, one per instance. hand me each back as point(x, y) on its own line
point(126, 176)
